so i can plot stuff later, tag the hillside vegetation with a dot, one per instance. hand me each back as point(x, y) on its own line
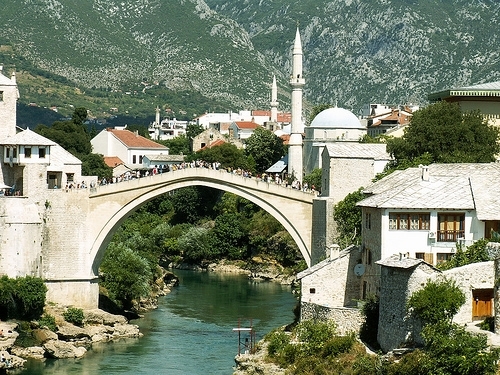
point(193, 56)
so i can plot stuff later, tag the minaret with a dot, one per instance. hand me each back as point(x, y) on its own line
point(274, 101)
point(296, 82)
point(157, 124)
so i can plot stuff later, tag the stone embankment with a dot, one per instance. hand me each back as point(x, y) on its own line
point(69, 341)
point(256, 363)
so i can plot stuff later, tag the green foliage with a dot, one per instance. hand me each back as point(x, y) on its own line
point(194, 245)
point(227, 154)
point(125, 275)
point(488, 324)
point(7, 295)
point(265, 147)
point(438, 301)
point(187, 205)
point(192, 130)
point(229, 236)
point(48, 321)
point(283, 248)
point(348, 218)
point(369, 328)
point(277, 341)
point(74, 316)
point(94, 165)
point(70, 135)
point(448, 135)
point(177, 146)
point(452, 350)
point(314, 179)
point(29, 296)
point(475, 253)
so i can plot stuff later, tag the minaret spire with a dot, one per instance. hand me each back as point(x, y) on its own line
point(297, 82)
point(274, 101)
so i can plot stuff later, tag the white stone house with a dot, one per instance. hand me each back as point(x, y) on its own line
point(126, 145)
point(424, 212)
point(242, 129)
point(402, 276)
point(330, 288)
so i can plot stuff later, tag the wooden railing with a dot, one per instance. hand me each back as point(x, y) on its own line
point(450, 235)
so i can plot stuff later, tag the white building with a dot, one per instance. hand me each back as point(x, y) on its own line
point(126, 145)
point(424, 212)
point(329, 126)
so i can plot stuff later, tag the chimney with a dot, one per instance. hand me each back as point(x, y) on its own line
point(424, 172)
point(334, 251)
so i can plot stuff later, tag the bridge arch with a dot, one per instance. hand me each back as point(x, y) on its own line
point(112, 204)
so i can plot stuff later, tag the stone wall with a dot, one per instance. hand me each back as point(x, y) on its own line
point(346, 319)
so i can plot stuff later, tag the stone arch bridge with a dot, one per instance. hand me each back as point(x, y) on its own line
point(88, 221)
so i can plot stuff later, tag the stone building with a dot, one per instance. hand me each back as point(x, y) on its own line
point(330, 288)
point(402, 276)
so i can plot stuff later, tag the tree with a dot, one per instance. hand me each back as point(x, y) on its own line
point(227, 154)
point(314, 179)
point(448, 135)
point(79, 116)
point(438, 301)
point(348, 218)
point(192, 130)
point(94, 165)
point(265, 147)
point(178, 145)
point(125, 275)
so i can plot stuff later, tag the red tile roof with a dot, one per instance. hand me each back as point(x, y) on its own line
point(112, 161)
point(216, 143)
point(246, 124)
point(134, 140)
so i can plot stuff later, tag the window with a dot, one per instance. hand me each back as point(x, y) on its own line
point(1, 96)
point(134, 159)
point(406, 221)
point(312, 290)
point(451, 227)
point(140, 159)
point(7, 152)
point(27, 152)
point(368, 221)
point(419, 255)
point(70, 177)
point(41, 152)
point(443, 257)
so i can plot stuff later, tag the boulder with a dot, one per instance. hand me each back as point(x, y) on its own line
point(62, 349)
point(126, 330)
point(35, 352)
point(11, 361)
point(8, 335)
point(97, 316)
point(71, 332)
point(42, 335)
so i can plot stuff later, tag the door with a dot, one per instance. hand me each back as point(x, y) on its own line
point(482, 303)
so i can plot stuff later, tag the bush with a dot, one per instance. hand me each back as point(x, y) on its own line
point(22, 298)
point(74, 315)
point(48, 321)
point(338, 345)
point(369, 329)
point(277, 341)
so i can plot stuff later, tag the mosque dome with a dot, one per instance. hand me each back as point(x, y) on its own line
point(336, 118)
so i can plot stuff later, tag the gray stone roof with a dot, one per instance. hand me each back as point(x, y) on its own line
point(59, 157)
point(396, 261)
point(358, 150)
point(325, 262)
point(482, 86)
point(28, 138)
point(450, 186)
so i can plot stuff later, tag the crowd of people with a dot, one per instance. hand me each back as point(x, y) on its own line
point(273, 178)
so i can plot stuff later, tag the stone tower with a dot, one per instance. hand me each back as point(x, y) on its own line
point(297, 83)
point(274, 101)
point(8, 100)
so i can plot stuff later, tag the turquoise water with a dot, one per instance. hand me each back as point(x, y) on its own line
point(191, 332)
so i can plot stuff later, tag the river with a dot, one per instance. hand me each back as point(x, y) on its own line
point(191, 332)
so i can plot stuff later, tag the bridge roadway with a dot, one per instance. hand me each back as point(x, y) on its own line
point(111, 204)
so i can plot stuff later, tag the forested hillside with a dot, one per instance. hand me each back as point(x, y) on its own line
point(193, 56)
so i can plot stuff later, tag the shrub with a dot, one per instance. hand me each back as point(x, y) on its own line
point(29, 296)
point(277, 341)
point(48, 321)
point(369, 329)
point(338, 345)
point(488, 324)
point(74, 315)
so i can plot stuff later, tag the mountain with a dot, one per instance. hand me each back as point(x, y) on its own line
point(193, 55)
